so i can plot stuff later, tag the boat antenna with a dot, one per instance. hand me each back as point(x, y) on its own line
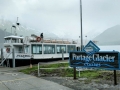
point(17, 23)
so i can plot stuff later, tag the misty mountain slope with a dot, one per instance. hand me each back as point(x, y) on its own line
point(7, 29)
point(2, 35)
point(23, 30)
point(111, 36)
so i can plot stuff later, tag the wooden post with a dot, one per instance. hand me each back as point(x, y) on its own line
point(31, 61)
point(74, 73)
point(13, 56)
point(115, 78)
point(62, 54)
point(2, 56)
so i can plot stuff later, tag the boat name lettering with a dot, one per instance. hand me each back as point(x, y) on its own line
point(23, 56)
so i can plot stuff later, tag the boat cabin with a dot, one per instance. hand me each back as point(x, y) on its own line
point(15, 42)
point(31, 46)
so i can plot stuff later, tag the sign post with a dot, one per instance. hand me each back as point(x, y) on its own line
point(74, 73)
point(115, 78)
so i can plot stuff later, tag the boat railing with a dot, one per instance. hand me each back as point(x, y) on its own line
point(64, 41)
point(33, 39)
point(57, 41)
point(21, 52)
point(18, 51)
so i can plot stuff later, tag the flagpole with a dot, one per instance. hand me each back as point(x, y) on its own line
point(81, 25)
point(81, 37)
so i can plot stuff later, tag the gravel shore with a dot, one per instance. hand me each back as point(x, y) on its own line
point(105, 81)
point(83, 83)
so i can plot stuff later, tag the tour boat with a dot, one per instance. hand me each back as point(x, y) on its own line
point(36, 48)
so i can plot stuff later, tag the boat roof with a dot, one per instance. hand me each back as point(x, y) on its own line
point(13, 36)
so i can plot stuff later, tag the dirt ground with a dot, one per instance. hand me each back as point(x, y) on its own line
point(104, 81)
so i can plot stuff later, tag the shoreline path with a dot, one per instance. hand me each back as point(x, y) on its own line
point(10, 79)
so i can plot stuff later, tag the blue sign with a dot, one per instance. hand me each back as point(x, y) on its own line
point(102, 60)
point(91, 48)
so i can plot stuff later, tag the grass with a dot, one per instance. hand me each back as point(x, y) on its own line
point(90, 73)
point(84, 74)
point(64, 72)
point(34, 68)
point(55, 65)
point(29, 70)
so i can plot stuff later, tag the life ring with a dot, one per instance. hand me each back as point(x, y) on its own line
point(38, 39)
point(7, 49)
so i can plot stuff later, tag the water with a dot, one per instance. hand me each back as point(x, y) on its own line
point(110, 48)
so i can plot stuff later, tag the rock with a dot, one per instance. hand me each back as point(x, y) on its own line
point(106, 86)
point(82, 78)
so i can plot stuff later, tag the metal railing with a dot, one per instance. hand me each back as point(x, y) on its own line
point(39, 74)
point(79, 69)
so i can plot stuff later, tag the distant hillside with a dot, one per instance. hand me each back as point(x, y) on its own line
point(111, 36)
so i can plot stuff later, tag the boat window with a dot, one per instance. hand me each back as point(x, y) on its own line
point(20, 49)
point(71, 48)
point(49, 49)
point(60, 48)
point(21, 40)
point(7, 40)
point(26, 49)
point(37, 49)
point(33, 49)
point(16, 40)
point(13, 40)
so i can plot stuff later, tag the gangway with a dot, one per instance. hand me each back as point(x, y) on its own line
point(6, 59)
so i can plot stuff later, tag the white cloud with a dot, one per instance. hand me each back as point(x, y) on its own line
point(62, 17)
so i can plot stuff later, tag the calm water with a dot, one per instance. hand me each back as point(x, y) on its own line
point(110, 48)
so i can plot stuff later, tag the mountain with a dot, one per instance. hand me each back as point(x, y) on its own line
point(92, 35)
point(21, 30)
point(2, 35)
point(111, 36)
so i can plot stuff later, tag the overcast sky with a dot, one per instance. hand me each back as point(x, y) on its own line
point(62, 17)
